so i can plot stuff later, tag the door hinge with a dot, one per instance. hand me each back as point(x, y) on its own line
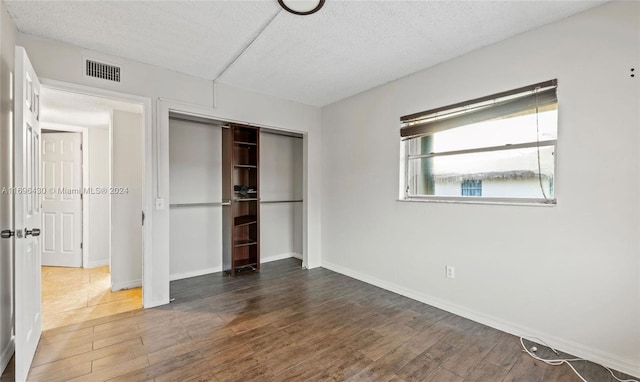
point(81, 147)
point(81, 245)
point(142, 217)
point(80, 196)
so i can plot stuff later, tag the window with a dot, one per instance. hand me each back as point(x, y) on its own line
point(499, 148)
point(471, 188)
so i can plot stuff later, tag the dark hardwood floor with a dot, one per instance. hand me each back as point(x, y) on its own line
point(287, 324)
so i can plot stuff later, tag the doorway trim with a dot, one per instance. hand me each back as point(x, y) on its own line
point(147, 206)
point(84, 131)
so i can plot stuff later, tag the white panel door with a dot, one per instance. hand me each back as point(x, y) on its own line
point(28, 217)
point(62, 208)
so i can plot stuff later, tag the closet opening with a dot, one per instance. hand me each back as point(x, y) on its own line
point(271, 165)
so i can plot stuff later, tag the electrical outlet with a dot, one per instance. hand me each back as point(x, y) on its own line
point(450, 272)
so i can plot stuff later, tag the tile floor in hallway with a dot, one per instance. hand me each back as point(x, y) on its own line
point(73, 295)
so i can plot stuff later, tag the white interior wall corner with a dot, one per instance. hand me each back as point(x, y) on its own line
point(568, 273)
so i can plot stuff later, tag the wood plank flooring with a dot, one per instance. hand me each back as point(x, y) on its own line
point(72, 295)
point(286, 324)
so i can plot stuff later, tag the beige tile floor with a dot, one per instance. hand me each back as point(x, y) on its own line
point(73, 295)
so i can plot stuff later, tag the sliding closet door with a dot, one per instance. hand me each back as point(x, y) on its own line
point(195, 166)
point(281, 197)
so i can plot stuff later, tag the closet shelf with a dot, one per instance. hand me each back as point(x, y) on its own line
point(245, 263)
point(241, 143)
point(240, 221)
point(240, 180)
point(281, 201)
point(203, 204)
point(244, 243)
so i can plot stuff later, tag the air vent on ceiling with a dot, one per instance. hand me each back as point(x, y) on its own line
point(98, 69)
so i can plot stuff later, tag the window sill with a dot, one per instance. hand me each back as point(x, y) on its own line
point(496, 201)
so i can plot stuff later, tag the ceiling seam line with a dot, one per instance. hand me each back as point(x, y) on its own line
point(237, 57)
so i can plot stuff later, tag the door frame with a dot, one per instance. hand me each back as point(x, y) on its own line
point(84, 131)
point(147, 195)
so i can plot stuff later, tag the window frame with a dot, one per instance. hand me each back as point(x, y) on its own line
point(405, 194)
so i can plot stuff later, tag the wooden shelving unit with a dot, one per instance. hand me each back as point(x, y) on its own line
point(241, 198)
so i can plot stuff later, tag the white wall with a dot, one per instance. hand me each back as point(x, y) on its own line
point(280, 167)
point(7, 45)
point(195, 166)
point(280, 180)
point(126, 208)
point(58, 61)
point(568, 274)
point(99, 170)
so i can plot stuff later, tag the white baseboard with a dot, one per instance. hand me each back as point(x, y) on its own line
point(6, 354)
point(628, 366)
point(96, 264)
point(126, 285)
point(199, 272)
point(280, 257)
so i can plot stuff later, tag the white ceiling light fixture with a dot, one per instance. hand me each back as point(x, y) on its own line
point(301, 7)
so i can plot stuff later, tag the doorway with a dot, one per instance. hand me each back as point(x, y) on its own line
point(92, 237)
point(62, 205)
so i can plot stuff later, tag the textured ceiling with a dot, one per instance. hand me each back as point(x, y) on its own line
point(346, 48)
point(80, 110)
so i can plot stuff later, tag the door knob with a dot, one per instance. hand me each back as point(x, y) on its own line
point(7, 233)
point(33, 232)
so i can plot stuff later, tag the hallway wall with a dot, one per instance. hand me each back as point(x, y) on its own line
point(126, 208)
point(99, 208)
